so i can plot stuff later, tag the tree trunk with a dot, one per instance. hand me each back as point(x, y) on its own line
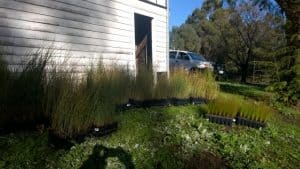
point(244, 73)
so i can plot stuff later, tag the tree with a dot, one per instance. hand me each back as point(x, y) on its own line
point(290, 70)
point(185, 38)
point(237, 34)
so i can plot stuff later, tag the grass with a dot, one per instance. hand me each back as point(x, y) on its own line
point(249, 91)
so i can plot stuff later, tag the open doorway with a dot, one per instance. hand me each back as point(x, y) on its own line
point(143, 42)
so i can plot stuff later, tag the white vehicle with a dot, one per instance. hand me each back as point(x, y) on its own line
point(188, 60)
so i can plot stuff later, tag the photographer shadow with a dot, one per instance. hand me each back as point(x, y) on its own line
point(97, 160)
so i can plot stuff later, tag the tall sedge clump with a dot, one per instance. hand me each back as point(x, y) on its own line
point(5, 76)
point(26, 91)
point(212, 87)
point(180, 85)
point(203, 85)
point(143, 87)
point(108, 88)
point(162, 89)
point(90, 102)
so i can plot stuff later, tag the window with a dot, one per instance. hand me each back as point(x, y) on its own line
point(197, 57)
point(160, 3)
point(173, 55)
point(183, 56)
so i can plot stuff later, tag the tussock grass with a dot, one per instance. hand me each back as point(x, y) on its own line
point(162, 89)
point(90, 102)
point(143, 85)
point(183, 84)
point(179, 84)
point(41, 92)
point(22, 93)
point(203, 85)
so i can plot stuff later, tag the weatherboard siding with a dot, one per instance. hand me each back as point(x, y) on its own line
point(80, 31)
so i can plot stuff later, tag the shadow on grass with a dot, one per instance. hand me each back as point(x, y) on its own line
point(97, 160)
point(251, 91)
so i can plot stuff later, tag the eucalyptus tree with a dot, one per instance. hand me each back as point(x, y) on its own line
point(289, 85)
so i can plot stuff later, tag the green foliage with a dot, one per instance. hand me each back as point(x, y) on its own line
point(250, 91)
point(239, 34)
point(185, 38)
point(287, 85)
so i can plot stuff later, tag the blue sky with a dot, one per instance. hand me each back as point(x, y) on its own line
point(181, 9)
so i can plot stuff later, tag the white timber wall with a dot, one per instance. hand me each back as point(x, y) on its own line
point(80, 32)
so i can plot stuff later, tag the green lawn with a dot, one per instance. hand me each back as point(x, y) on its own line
point(173, 137)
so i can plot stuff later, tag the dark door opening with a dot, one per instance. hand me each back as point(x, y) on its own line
point(143, 42)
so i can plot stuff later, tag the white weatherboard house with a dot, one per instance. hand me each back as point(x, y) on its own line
point(133, 33)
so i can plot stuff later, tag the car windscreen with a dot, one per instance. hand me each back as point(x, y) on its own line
point(196, 56)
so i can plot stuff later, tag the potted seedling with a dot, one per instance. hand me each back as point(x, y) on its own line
point(253, 114)
point(222, 110)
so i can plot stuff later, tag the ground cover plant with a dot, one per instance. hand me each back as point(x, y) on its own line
point(172, 137)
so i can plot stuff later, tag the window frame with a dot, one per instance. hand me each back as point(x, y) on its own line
point(156, 3)
point(183, 53)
